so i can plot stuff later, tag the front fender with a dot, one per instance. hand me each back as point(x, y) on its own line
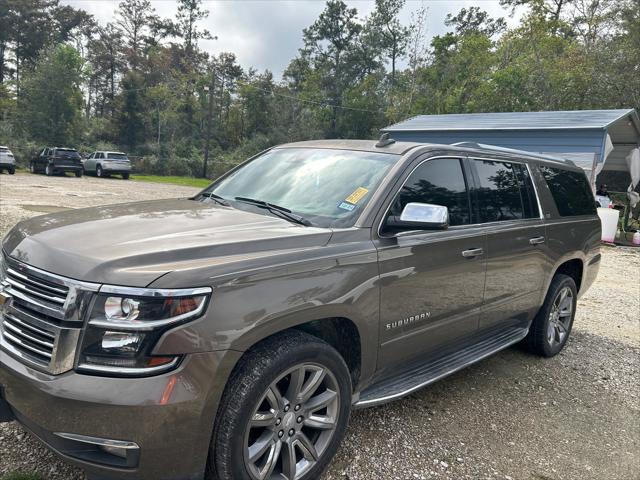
point(247, 308)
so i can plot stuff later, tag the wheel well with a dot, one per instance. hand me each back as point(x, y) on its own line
point(572, 268)
point(342, 334)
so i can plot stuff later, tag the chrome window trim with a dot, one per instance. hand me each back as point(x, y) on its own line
point(379, 229)
point(154, 292)
point(535, 189)
point(461, 227)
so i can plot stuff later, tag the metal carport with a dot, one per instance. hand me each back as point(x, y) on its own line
point(597, 140)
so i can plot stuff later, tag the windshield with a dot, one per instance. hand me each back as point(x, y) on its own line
point(117, 156)
point(328, 187)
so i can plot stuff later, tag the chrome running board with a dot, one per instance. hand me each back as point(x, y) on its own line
point(421, 375)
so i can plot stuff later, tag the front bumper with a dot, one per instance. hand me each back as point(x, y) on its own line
point(169, 417)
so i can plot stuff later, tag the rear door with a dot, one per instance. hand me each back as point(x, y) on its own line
point(431, 285)
point(508, 207)
point(90, 163)
point(42, 159)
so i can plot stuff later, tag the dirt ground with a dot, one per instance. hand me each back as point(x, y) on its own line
point(512, 416)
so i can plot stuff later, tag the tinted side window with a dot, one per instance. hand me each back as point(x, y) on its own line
point(570, 190)
point(440, 182)
point(498, 191)
point(527, 192)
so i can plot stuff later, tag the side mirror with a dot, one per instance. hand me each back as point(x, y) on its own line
point(420, 216)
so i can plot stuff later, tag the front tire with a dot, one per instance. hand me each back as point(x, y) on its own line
point(12, 170)
point(99, 172)
point(284, 411)
point(48, 170)
point(552, 325)
point(125, 176)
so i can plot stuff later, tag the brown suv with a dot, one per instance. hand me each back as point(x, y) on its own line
point(229, 335)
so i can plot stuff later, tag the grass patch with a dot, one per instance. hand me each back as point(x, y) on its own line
point(21, 476)
point(184, 181)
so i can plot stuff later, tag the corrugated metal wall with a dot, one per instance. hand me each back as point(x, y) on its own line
point(540, 141)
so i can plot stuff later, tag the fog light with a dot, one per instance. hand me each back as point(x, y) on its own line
point(117, 451)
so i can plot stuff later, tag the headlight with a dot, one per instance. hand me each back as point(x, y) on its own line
point(126, 323)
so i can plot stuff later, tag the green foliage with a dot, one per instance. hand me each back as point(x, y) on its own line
point(184, 181)
point(51, 102)
point(142, 84)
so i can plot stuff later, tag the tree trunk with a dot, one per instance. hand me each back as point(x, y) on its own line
point(2, 49)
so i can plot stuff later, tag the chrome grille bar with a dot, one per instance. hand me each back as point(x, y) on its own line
point(39, 283)
point(41, 325)
point(23, 344)
point(28, 332)
point(29, 291)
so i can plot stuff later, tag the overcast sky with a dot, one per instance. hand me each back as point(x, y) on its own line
point(266, 34)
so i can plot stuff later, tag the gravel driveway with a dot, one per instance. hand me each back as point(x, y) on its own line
point(512, 416)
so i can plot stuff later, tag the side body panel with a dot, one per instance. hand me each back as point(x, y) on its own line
point(339, 280)
point(516, 273)
point(430, 294)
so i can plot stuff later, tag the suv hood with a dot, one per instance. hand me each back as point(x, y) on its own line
point(132, 244)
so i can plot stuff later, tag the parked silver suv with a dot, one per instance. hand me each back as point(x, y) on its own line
point(7, 160)
point(104, 164)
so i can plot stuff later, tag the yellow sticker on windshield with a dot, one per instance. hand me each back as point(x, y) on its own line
point(357, 195)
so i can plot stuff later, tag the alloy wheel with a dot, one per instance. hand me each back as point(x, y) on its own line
point(560, 317)
point(292, 424)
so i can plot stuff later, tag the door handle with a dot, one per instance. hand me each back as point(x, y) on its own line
point(473, 252)
point(536, 240)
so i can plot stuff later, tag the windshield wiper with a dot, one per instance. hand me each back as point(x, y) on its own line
point(277, 209)
point(216, 198)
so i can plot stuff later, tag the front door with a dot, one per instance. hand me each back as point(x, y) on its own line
point(432, 282)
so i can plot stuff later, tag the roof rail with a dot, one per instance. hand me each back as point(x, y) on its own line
point(495, 148)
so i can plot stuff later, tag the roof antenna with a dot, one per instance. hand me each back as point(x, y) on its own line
point(385, 140)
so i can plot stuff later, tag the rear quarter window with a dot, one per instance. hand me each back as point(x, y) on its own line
point(570, 191)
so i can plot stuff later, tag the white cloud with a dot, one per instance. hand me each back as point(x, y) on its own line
point(266, 34)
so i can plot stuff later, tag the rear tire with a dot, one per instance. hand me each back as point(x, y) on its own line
point(552, 325)
point(263, 421)
point(12, 170)
point(79, 173)
point(125, 176)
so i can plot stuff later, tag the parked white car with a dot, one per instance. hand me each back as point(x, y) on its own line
point(104, 164)
point(7, 160)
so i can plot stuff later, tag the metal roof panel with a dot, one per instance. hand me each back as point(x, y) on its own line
point(549, 120)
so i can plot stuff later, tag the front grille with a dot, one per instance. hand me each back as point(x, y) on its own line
point(31, 339)
point(37, 289)
point(42, 323)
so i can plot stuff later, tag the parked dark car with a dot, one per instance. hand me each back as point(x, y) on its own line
point(229, 335)
point(52, 160)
